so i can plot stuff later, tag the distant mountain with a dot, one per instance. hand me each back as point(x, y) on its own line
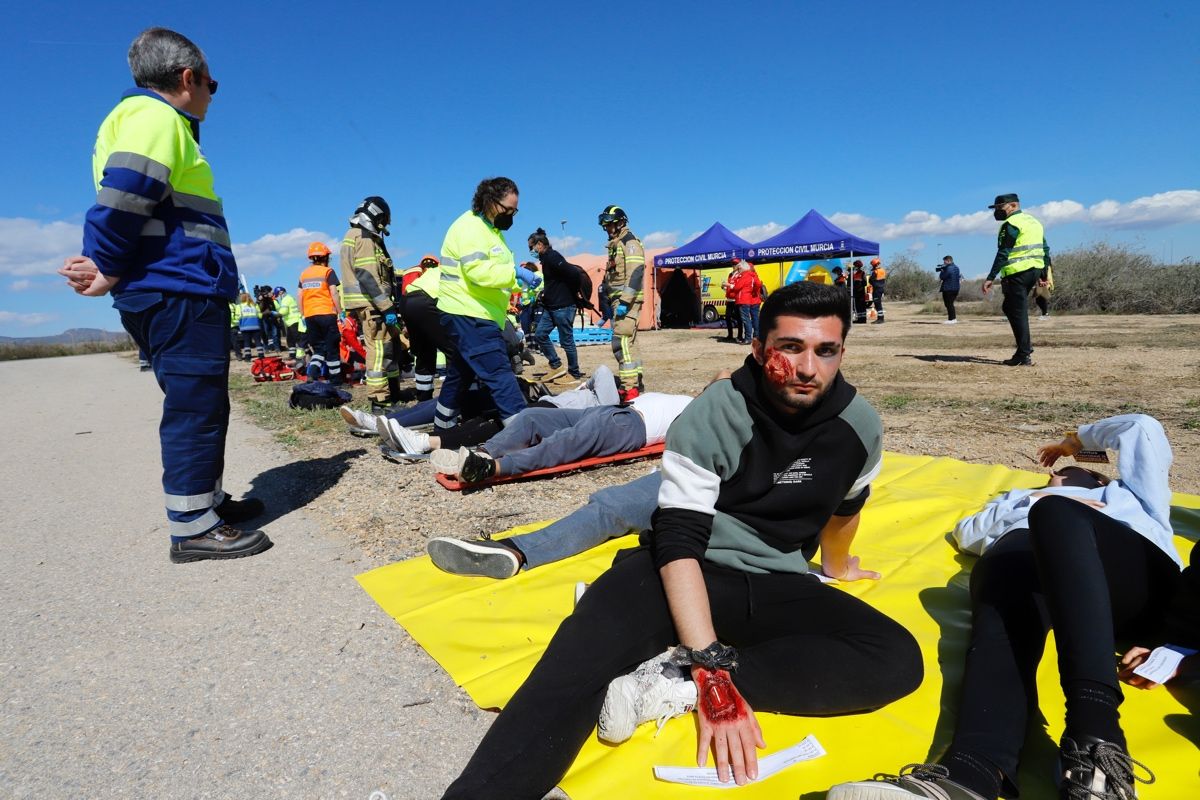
point(72, 336)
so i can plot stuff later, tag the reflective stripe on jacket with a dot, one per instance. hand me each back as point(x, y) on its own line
point(157, 223)
point(316, 290)
point(249, 317)
point(1029, 251)
point(289, 309)
point(368, 275)
point(626, 266)
point(477, 271)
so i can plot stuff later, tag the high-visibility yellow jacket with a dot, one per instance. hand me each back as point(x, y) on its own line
point(289, 309)
point(478, 270)
point(157, 223)
point(626, 266)
point(368, 274)
point(427, 283)
point(1020, 245)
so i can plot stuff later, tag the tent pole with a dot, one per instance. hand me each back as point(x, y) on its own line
point(850, 286)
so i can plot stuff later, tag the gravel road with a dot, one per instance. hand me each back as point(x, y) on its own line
point(123, 675)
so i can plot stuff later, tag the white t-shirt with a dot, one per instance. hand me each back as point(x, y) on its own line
point(659, 410)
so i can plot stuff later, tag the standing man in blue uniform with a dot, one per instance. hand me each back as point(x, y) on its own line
point(157, 240)
point(1022, 262)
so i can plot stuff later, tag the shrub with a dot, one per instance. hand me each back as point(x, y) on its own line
point(907, 280)
point(1115, 278)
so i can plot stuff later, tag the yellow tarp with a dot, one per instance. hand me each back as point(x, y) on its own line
point(489, 634)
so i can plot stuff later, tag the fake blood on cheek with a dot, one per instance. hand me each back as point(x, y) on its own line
point(777, 367)
point(718, 700)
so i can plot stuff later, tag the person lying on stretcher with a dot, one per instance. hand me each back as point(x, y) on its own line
point(539, 438)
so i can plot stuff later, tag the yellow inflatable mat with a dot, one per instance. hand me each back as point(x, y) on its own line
point(488, 635)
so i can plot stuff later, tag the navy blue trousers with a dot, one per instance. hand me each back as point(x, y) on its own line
point(187, 339)
point(482, 356)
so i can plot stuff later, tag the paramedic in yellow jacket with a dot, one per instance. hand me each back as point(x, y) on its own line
point(368, 282)
point(623, 280)
point(478, 274)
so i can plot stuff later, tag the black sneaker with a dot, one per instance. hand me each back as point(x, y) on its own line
point(1093, 769)
point(914, 780)
point(1017, 361)
point(235, 511)
point(222, 541)
point(480, 558)
point(477, 467)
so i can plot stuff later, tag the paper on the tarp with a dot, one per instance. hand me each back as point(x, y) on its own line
point(806, 749)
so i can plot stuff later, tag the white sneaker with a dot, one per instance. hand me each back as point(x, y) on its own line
point(659, 689)
point(448, 462)
point(360, 422)
point(1044, 316)
point(402, 438)
point(950, 322)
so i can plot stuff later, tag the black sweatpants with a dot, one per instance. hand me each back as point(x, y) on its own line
point(425, 336)
point(948, 299)
point(803, 648)
point(1075, 570)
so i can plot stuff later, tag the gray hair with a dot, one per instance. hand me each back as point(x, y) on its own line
point(158, 56)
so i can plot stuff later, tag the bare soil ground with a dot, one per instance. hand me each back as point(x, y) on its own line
point(940, 389)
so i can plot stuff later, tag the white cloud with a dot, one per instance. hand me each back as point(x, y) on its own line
point(1153, 211)
point(265, 254)
point(20, 286)
point(916, 246)
point(30, 247)
point(566, 244)
point(660, 239)
point(27, 320)
point(757, 233)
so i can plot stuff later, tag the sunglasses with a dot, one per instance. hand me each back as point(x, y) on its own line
point(212, 85)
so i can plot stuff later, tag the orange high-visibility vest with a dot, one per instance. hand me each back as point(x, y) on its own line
point(316, 294)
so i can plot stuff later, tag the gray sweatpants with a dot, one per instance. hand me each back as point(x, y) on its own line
point(548, 437)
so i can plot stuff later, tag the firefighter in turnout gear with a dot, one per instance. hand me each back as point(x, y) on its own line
point(368, 291)
point(623, 280)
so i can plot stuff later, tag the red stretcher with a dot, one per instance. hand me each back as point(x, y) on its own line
point(649, 451)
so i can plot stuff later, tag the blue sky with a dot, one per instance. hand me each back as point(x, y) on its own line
point(899, 121)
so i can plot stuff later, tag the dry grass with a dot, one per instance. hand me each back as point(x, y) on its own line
point(941, 390)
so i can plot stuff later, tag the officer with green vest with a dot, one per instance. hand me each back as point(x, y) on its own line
point(157, 240)
point(289, 309)
point(1022, 262)
point(478, 274)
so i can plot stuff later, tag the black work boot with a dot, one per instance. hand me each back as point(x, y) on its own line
point(223, 541)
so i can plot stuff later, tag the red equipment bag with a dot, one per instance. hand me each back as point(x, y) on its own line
point(271, 368)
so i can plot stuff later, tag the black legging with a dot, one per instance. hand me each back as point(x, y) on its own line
point(948, 299)
point(1075, 570)
point(803, 648)
point(426, 336)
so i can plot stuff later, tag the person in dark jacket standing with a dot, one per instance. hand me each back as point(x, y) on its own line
point(157, 240)
point(858, 286)
point(951, 279)
point(759, 472)
point(558, 304)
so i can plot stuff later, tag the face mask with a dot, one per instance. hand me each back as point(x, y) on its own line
point(503, 221)
point(1000, 214)
point(533, 252)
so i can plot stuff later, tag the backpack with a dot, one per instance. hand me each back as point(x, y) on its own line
point(583, 289)
point(270, 368)
point(315, 395)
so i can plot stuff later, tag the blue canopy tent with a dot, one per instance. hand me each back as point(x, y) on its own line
point(812, 237)
point(716, 244)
